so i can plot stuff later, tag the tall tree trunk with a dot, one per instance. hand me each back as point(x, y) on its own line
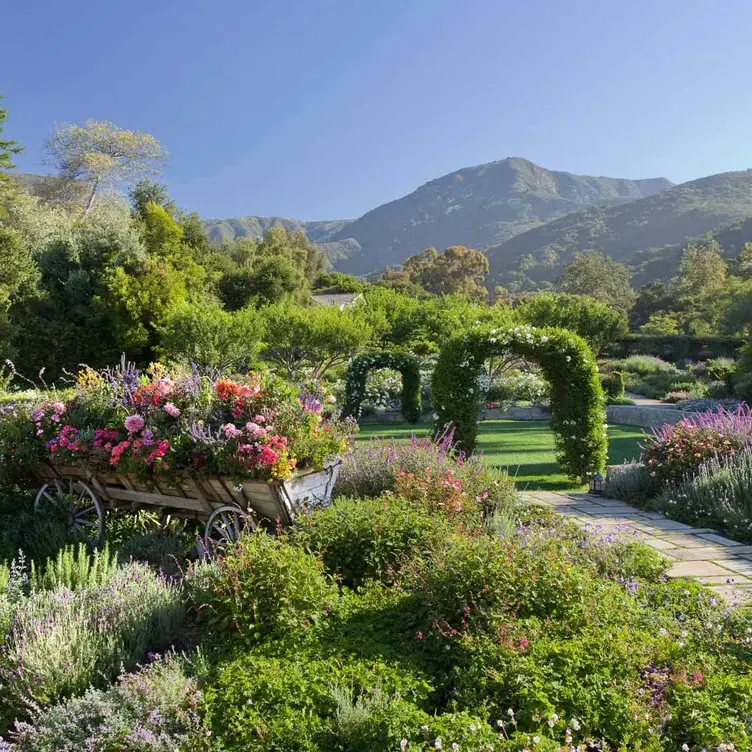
point(92, 195)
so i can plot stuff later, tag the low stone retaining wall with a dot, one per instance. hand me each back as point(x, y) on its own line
point(513, 413)
point(645, 416)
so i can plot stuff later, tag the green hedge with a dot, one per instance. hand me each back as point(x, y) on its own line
point(357, 375)
point(674, 347)
point(577, 402)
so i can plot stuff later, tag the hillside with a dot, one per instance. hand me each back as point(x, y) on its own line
point(254, 227)
point(638, 232)
point(476, 206)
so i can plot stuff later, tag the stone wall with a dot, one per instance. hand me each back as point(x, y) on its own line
point(645, 416)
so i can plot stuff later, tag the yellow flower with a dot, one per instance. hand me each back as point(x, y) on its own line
point(87, 378)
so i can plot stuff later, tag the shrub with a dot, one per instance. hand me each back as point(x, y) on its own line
point(157, 709)
point(374, 468)
point(300, 703)
point(263, 585)
point(677, 396)
point(166, 552)
point(629, 482)
point(613, 384)
point(363, 539)
point(518, 387)
point(718, 495)
point(705, 405)
point(476, 583)
point(74, 568)
point(61, 642)
point(675, 451)
point(620, 401)
point(647, 365)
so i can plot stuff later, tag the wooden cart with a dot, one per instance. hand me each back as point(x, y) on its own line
point(83, 497)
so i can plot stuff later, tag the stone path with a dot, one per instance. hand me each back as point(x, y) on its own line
point(721, 564)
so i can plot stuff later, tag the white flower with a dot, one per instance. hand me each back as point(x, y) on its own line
point(568, 358)
point(544, 338)
point(403, 745)
point(575, 724)
point(437, 744)
point(685, 747)
point(455, 747)
point(536, 740)
point(510, 713)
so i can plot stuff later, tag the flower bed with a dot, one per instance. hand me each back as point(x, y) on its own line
point(159, 424)
point(676, 451)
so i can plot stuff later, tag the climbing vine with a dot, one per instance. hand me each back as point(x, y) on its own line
point(357, 375)
point(577, 404)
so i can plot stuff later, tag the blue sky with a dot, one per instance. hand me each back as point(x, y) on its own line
point(322, 109)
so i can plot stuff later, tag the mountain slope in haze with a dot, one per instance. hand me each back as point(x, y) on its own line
point(644, 226)
point(220, 230)
point(476, 206)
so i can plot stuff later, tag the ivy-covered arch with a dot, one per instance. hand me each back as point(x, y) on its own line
point(577, 403)
point(357, 375)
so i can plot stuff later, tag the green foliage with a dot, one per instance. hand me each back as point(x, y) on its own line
point(568, 366)
point(456, 270)
point(89, 636)
point(675, 348)
point(596, 275)
point(262, 586)
point(613, 385)
point(660, 323)
point(74, 568)
point(102, 155)
point(357, 375)
point(370, 539)
point(629, 482)
point(597, 322)
point(718, 495)
point(157, 709)
point(204, 334)
point(338, 282)
point(318, 337)
point(8, 147)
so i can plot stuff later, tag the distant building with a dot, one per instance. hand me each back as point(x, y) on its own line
point(341, 300)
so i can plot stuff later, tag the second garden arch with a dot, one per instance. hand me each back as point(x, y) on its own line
point(577, 403)
point(357, 376)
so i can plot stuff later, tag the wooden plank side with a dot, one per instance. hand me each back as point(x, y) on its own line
point(154, 499)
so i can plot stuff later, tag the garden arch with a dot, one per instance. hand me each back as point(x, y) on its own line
point(577, 403)
point(357, 375)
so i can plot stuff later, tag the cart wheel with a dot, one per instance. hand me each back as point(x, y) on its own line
point(76, 505)
point(225, 527)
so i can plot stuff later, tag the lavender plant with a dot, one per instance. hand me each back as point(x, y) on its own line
point(57, 643)
point(157, 709)
point(718, 495)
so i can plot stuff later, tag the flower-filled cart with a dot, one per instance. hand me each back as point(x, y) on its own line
point(231, 453)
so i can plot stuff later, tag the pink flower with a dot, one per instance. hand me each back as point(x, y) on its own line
point(134, 423)
point(331, 399)
point(171, 410)
point(230, 430)
point(268, 456)
point(255, 431)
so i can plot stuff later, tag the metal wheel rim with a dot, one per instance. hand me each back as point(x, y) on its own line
point(77, 502)
point(225, 527)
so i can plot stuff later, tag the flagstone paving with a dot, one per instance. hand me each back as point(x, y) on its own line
point(722, 564)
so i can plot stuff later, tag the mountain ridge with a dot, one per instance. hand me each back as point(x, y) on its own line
point(478, 206)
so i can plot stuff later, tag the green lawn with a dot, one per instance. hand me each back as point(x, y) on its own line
point(525, 448)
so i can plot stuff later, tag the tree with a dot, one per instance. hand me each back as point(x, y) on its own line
point(205, 334)
point(338, 282)
point(597, 275)
point(660, 323)
point(102, 155)
point(596, 322)
point(317, 338)
point(8, 147)
point(457, 270)
point(699, 290)
point(652, 299)
point(18, 269)
point(148, 192)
